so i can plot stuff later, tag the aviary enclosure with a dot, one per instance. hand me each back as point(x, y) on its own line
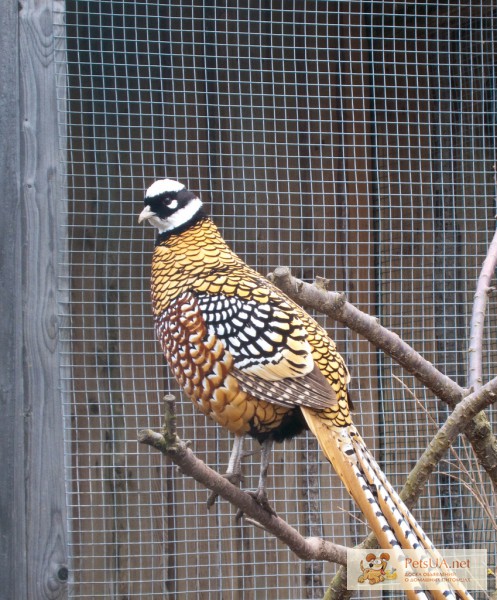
point(353, 141)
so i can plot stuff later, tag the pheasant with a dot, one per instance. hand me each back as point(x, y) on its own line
point(255, 362)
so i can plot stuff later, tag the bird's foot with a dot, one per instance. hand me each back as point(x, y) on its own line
point(260, 496)
point(234, 478)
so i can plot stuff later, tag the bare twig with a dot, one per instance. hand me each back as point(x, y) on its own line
point(477, 427)
point(444, 438)
point(483, 290)
point(476, 488)
point(479, 498)
point(169, 444)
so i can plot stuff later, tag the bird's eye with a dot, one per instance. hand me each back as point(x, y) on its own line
point(171, 203)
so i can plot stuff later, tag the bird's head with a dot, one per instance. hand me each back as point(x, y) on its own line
point(170, 206)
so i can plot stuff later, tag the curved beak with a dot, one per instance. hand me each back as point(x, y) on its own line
point(145, 214)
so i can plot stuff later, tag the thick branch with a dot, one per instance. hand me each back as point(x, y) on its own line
point(477, 428)
point(336, 306)
point(310, 548)
point(483, 290)
point(337, 590)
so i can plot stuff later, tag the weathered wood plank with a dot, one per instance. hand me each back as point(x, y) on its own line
point(12, 491)
point(41, 186)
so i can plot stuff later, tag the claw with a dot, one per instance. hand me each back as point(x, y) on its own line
point(234, 475)
point(260, 496)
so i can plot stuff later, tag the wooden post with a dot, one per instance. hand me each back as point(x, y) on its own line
point(12, 568)
point(33, 559)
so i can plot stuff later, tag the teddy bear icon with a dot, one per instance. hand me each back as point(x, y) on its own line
point(375, 570)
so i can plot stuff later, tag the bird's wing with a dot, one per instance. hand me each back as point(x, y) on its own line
point(311, 390)
point(272, 358)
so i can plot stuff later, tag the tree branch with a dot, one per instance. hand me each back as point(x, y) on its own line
point(333, 304)
point(336, 306)
point(169, 444)
point(483, 290)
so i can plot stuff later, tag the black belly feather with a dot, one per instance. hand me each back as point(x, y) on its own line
point(292, 424)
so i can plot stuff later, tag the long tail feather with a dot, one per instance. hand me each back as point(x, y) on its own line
point(390, 519)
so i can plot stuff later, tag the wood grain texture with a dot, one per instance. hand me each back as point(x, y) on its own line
point(41, 186)
point(12, 492)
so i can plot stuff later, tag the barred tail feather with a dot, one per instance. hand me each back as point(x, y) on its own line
point(390, 519)
point(408, 533)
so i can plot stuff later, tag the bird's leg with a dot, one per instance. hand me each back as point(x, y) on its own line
point(260, 495)
point(234, 471)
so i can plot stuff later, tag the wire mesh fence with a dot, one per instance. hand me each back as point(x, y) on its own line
point(352, 141)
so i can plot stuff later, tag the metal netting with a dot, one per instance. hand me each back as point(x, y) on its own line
point(352, 141)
